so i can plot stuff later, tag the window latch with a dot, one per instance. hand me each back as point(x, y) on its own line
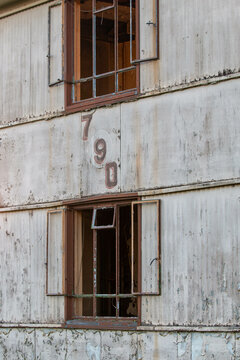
point(151, 23)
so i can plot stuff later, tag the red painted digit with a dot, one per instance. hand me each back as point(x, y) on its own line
point(111, 175)
point(87, 119)
point(100, 149)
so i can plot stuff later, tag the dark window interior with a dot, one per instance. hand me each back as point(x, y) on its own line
point(112, 265)
point(102, 45)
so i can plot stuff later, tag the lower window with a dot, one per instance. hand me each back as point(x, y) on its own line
point(102, 257)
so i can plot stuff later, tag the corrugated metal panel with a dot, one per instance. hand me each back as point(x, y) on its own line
point(24, 65)
point(23, 270)
point(181, 138)
point(45, 160)
point(198, 39)
point(150, 247)
point(200, 260)
point(55, 252)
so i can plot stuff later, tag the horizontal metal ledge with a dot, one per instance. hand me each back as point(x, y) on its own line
point(145, 328)
point(29, 207)
point(142, 193)
point(31, 325)
point(211, 80)
point(190, 187)
point(190, 329)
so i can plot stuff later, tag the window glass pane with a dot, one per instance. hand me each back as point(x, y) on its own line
point(106, 261)
point(82, 307)
point(106, 307)
point(105, 35)
point(128, 307)
point(83, 253)
point(127, 80)
point(105, 85)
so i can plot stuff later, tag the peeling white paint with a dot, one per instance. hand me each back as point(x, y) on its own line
point(93, 352)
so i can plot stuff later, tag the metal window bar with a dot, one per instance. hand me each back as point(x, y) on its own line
point(59, 81)
point(94, 49)
point(158, 258)
point(123, 296)
point(104, 9)
point(100, 76)
point(156, 24)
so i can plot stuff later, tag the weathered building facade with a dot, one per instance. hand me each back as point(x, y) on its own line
point(120, 210)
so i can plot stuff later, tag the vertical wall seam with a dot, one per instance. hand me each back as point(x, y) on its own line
point(35, 345)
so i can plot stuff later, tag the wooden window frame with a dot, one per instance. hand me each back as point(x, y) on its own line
point(94, 322)
point(71, 106)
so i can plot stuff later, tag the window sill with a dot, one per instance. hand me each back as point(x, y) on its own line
point(101, 101)
point(103, 324)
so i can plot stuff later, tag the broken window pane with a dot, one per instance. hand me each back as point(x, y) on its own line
point(83, 253)
point(82, 307)
point(126, 80)
point(105, 42)
point(106, 307)
point(128, 307)
point(83, 59)
point(106, 261)
point(105, 85)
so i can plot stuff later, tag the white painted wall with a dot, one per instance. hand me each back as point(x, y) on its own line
point(198, 39)
point(200, 260)
point(42, 344)
point(175, 139)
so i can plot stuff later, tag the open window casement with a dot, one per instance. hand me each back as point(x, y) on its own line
point(149, 251)
point(55, 253)
point(148, 30)
point(104, 218)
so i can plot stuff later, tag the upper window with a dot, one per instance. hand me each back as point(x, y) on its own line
point(101, 38)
